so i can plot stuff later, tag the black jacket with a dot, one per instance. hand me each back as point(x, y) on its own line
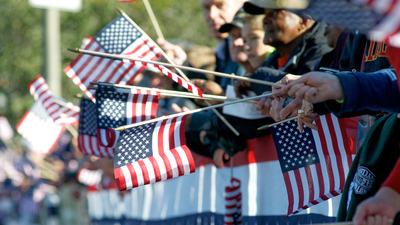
point(302, 59)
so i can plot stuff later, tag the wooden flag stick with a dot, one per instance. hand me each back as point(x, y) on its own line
point(170, 93)
point(153, 19)
point(224, 120)
point(189, 112)
point(68, 105)
point(72, 130)
point(279, 122)
point(101, 54)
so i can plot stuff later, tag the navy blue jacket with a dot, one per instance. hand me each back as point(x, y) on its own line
point(367, 93)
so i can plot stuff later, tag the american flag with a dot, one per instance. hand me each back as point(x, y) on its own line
point(42, 94)
point(118, 37)
point(6, 132)
point(233, 203)
point(116, 108)
point(89, 177)
point(314, 163)
point(151, 153)
point(41, 132)
point(87, 138)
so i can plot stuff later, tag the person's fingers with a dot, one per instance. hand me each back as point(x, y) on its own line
point(226, 156)
point(160, 42)
point(292, 90)
point(176, 108)
point(386, 221)
point(308, 108)
point(300, 92)
point(276, 108)
point(185, 109)
point(281, 91)
point(312, 95)
point(260, 104)
point(266, 109)
point(308, 121)
point(291, 109)
point(360, 214)
point(300, 118)
point(203, 135)
point(218, 158)
point(241, 88)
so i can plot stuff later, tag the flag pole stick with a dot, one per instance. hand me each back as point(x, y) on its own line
point(223, 119)
point(101, 54)
point(231, 164)
point(170, 92)
point(68, 105)
point(153, 19)
point(279, 122)
point(189, 112)
point(72, 130)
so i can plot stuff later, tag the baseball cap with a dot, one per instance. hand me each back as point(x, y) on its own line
point(257, 6)
point(236, 22)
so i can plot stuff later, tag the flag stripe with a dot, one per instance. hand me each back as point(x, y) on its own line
point(337, 154)
point(326, 165)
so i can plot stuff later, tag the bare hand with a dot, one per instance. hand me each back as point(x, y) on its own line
point(308, 117)
point(314, 87)
point(284, 90)
point(264, 105)
point(219, 156)
point(378, 209)
point(241, 88)
point(208, 87)
point(174, 52)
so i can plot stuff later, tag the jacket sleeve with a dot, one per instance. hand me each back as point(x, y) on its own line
point(367, 93)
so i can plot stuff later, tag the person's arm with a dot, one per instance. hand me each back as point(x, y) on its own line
point(384, 205)
point(367, 93)
point(358, 93)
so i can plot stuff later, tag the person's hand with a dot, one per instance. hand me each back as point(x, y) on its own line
point(308, 117)
point(264, 105)
point(208, 87)
point(175, 109)
point(241, 87)
point(378, 209)
point(314, 87)
point(283, 91)
point(278, 110)
point(174, 52)
point(219, 156)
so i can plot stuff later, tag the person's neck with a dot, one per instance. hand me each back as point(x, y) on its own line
point(284, 50)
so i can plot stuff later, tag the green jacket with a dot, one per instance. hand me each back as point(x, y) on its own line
point(372, 165)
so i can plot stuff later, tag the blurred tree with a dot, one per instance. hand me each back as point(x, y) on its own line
point(21, 40)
